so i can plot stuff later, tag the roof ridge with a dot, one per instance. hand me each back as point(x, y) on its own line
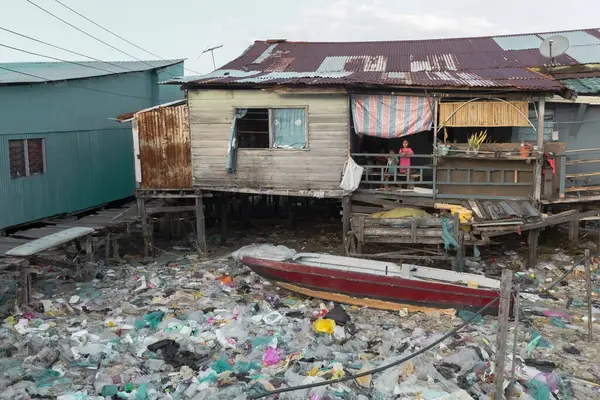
point(274, 41)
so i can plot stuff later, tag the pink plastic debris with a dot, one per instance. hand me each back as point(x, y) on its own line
point(271, 356)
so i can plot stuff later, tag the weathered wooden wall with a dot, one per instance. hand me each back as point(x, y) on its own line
point(164, 137)
point(317, 168)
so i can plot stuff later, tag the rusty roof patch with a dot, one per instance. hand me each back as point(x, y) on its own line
point(479, 62)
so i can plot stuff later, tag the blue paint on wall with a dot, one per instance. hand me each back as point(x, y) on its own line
point(89, 157)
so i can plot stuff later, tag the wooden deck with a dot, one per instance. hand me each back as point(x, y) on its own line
point(102, 221)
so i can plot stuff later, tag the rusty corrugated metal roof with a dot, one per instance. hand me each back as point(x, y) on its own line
point(484, 62)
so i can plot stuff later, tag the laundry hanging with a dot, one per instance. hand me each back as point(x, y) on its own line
point(233, 142)
point(391, 117)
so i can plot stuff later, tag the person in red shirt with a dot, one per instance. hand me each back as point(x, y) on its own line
point(404, 154)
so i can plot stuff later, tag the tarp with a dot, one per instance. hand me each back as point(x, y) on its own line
point(391, 116)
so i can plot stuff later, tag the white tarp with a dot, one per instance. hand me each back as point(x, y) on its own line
point(265, 251)
point(352, 176)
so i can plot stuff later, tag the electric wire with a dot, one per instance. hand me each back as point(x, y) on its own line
point(90, 35)
point(72, 85)
point(116, 35)
point(67, 50)
point(383, 367)
point(62, 60)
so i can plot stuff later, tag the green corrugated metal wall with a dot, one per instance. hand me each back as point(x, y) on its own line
point(89, 158)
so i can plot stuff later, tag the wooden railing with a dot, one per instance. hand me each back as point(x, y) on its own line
point(579, 171)
point(430, 175)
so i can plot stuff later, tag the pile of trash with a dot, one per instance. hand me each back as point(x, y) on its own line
point(181, 328)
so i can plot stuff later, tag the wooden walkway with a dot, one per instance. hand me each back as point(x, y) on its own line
point(102, 221)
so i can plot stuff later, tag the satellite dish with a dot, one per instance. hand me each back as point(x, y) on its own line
point(554, 46)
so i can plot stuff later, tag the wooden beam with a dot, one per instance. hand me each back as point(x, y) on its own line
point(532, 242)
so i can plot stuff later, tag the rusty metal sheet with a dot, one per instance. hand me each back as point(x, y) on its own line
point(165, 153)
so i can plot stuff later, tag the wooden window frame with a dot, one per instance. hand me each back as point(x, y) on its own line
point(26, 157)
point(271, 138)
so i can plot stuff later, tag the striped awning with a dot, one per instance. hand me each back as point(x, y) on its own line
point(391, 116)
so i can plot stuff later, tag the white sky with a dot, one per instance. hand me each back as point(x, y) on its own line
point(184, 28)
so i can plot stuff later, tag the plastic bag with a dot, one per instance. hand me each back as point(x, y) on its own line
point(352, 175)
point(324, 326)
point(268, 251)
point(271, 357)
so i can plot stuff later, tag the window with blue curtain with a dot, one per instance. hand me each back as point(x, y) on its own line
point(288, 126)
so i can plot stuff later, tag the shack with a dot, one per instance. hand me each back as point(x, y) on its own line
point(60, 149)
point(286, 118)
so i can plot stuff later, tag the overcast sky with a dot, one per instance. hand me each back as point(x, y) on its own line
point(184, 28)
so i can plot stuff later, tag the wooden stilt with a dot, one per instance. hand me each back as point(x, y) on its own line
point(89, 249)
point(290, 212)
point(588, 276)
point(515, 333)
point(107, 248)
point(532, 242)
point(145, 229)
point(245, 210)
point(200, 225)
point(460, 251)
point(224, 212)
point(116, 255)
point(346, 215)
point(573, 231)
point(502, 336)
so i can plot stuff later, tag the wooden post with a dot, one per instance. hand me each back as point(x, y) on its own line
point(200, 227)
point(116, 255)
point(346, 215)
point(89, 249)
point(460, 251)
point(573, 231)
point(107, 248)
point(515, 333)
point(224, 211)
point(588, 276)
point(145, 229)
point(532, 242)
point(505, 289)
point(245, 210)
point(290, 212)
point(537, 189)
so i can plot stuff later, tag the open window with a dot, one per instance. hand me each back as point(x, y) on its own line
point(262, 128)
point(27, 157)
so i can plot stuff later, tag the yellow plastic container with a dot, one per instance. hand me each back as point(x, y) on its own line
point(464, 215)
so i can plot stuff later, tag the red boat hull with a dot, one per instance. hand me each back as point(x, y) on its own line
point(388, 288)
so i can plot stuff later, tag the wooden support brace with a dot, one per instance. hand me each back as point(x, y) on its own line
point(107, 248)
point(145, 228)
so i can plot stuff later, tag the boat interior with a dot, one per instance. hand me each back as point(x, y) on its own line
point(406, 271)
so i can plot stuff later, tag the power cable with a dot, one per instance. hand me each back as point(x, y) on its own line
point(60, 59)
point(67, 50)
point(76, 86)
point(116, 35)
point(92, 36)
point(383, 367)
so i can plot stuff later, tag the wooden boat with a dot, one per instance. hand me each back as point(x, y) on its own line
point(323, 275)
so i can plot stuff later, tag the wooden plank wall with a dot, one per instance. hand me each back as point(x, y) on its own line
point(318, 168)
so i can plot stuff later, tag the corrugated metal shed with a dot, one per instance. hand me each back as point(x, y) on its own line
point(165, 152)
point(494, 62)
point(15, 73)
